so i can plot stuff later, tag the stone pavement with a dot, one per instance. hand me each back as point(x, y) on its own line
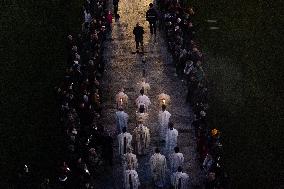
point(124, 68)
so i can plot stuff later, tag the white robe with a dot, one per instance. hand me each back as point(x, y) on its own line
point(180, 180)
point(129, 161)
point(171, 139)
point(143, 100)
point(176, 160)
point(164, 117)
point(141, 135)
point(131, 179)
point(121, 120)
point(124, 142)
point(158, 167)
point(121, 99)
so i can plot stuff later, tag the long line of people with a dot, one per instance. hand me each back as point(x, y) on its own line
point(177, 24)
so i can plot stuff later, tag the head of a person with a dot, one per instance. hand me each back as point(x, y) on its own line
point(124, 129)
point(171, 126)
point(120, 108)
point(157, 150)
point(179, 169)
point(176, 149)
point(141, 109)
point(137, 24)
point(142, 91)
point(151, 5)
point(164, 107)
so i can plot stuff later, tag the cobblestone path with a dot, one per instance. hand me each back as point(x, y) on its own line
point(124, 68)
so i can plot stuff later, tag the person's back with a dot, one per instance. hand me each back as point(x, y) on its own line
point(151, 15)
point(138, 32)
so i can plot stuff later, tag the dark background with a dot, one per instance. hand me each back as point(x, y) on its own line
point(244, 67)
point(244, 61)
point(33, 35)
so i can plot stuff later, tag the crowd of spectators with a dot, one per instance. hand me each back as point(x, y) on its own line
point(177, 23)
point(87, 145)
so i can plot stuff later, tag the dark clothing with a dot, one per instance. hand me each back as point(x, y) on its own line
point(151, 17)
point(138, 31)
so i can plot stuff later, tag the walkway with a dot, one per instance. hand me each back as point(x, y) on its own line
point(124, 68)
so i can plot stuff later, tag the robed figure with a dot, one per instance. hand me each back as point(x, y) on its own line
point(124, 141)
point(164, 117)
point(171, 138)
point(129, 161)
point(141, 137)
point(180, 180)
point(121, 98)
point(143, 100)
point(131, 179)
point(141, 115)
point(121, 118)
point(158, 167)
point(176, 160)
point(143, 85)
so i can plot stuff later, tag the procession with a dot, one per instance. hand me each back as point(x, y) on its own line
point(134, 117)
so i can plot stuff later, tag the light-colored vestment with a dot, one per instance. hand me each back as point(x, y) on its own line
point(121, 120)
point(141, 137)
point(164, 117)
point(171, 139)
point(124, 142)
point(129, 161)
point(131, 179)
point(180, 180)
point(158, 167)
point(176, 160)
point(142, 116)
point(143, 100)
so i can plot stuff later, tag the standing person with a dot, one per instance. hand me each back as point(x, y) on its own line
point(115, 7)
point(141, 138)
point(180, 180)
point(176, 160)
point(121, 98)
point(151, 17)
point(143, 100)
point(121, 119)
point(164, 117)
point(171, 138)
point(129, 160)
point(124, 141)
point(138, 32)
point(158, 166)
point(131, 179)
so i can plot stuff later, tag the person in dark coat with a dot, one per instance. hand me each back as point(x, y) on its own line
point(151, 17)
point(138, 32)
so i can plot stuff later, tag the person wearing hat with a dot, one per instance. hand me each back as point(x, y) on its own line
point(151, 17)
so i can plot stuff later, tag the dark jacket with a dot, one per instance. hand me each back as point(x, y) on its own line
point(138, 32)
point(151, 15)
